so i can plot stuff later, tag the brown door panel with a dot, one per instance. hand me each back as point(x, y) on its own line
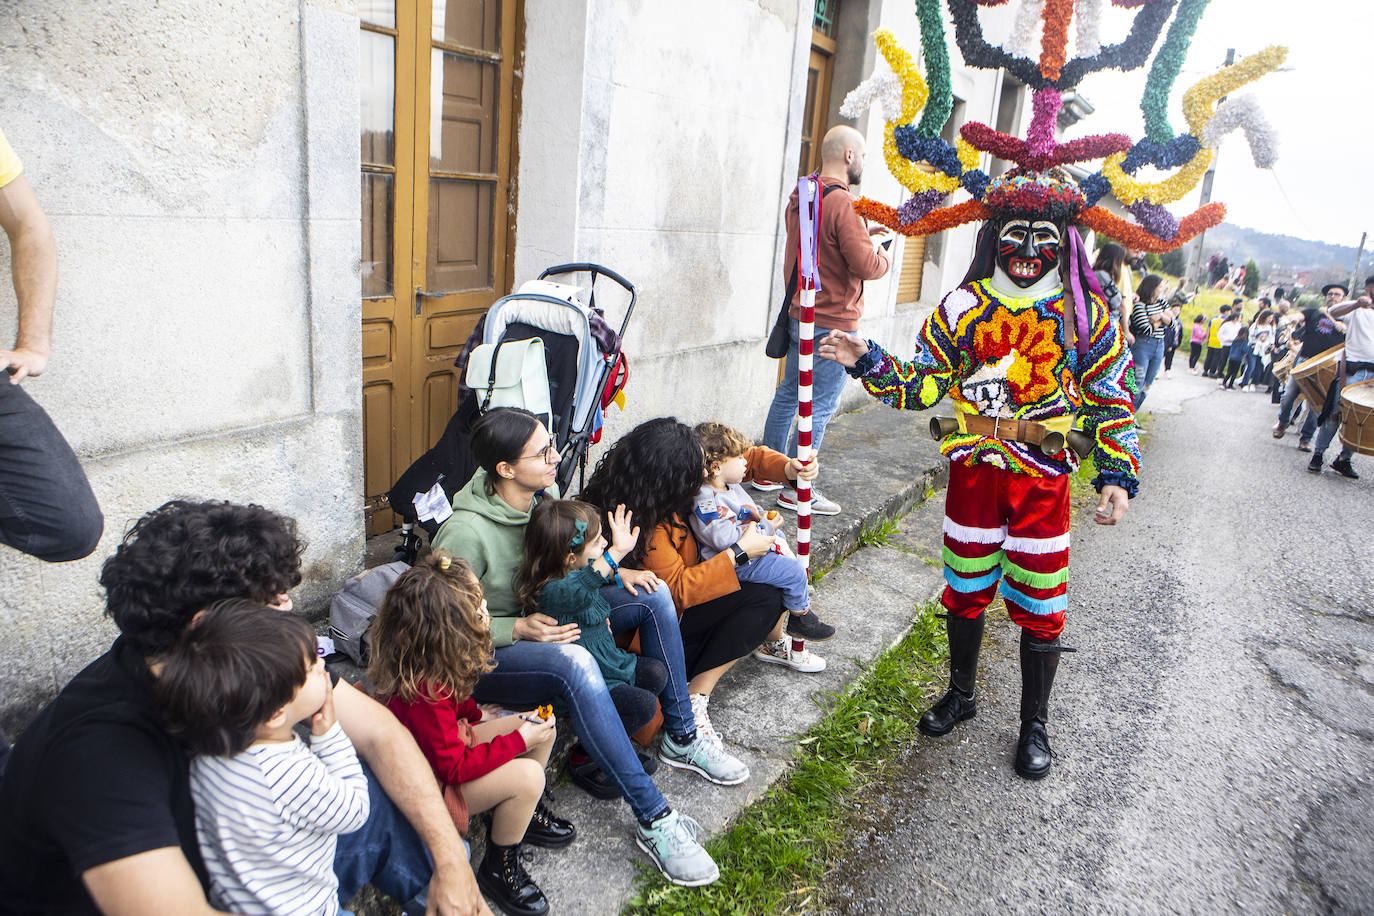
point(435, 214)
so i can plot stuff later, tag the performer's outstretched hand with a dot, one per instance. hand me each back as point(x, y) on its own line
point(1112, 506)
point(842, 347)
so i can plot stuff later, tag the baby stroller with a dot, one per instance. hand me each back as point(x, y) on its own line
point(586, 373)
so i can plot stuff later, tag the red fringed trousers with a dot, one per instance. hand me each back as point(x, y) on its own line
point(1009, 528)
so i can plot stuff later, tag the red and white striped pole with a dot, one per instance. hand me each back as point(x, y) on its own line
point(808, 281)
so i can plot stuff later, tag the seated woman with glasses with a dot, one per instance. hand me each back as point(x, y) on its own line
point(537, 659)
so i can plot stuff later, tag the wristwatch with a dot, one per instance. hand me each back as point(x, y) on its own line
point(740, 556)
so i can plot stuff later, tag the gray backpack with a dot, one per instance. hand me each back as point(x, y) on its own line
point(352, 610)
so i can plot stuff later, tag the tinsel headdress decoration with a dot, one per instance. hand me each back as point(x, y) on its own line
point(932, 169)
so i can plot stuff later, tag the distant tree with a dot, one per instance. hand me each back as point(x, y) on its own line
point(1152, 261)
point(1174, 262)
point(1252, 278)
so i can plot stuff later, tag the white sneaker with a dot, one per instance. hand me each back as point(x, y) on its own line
point(706, 756)
point(765, 486)
point(702, 716)
point(819, 504)
point(779, 652)
point(672, 842)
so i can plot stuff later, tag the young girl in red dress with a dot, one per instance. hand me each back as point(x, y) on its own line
point(431, 640)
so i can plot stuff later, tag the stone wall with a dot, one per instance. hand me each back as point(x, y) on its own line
point(199, 164)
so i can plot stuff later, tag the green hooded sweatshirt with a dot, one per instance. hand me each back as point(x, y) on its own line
point(490, 535)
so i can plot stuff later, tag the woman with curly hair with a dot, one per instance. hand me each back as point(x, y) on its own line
point(536, 660)
point(431, 641)
point(655, 470)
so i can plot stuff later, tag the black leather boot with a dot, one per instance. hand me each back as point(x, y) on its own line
point(958, 703)
point(1039, 662)
point(502, 877)
point(548, 830)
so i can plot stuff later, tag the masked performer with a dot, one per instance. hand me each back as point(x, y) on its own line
point(1025, 345)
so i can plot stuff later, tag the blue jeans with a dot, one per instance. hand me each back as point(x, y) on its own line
point(1290, 400)
point(1254, 373)
point(785, 573)
point(385, 852)
point(530, 673)
point(654, 614)
point(1331, 427)
point(47, 509)
point(827, 383)
point(1148, 353)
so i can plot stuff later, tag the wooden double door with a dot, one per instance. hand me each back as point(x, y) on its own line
point(438, 97)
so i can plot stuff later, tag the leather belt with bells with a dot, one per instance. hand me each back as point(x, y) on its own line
point(1008, 428)
point(1013, 429)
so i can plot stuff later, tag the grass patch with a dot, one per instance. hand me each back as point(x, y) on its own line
point(776, 852)
point(879, 534)
point(1207, 303)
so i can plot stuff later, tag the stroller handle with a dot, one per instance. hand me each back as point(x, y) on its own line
point(579, 267)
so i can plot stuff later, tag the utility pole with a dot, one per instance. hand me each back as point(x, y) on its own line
point(1206, 197)
point(1355, 271)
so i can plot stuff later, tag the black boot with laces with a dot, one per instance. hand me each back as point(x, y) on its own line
point(502, 877)
point(958, 703)
point(1039, 662)
point(548, 830)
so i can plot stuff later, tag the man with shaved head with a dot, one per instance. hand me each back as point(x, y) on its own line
point(848, 254)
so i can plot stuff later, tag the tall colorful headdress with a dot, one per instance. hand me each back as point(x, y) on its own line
point(932, 169)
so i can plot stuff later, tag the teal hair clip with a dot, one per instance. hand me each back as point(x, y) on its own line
point(581, 536)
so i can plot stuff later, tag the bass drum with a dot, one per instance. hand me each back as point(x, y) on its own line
point(1357, 417)
point(1315, 376)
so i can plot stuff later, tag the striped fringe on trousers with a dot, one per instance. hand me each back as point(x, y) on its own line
point(1012, 529)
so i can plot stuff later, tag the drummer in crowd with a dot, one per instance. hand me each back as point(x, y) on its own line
point(1318, 332)
point(1358, 315)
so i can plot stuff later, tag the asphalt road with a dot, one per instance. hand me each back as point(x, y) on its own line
point(1215, 732)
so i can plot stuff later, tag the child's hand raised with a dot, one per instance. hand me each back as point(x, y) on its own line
point(537, 732)
point(623, 536)
point(324, 720)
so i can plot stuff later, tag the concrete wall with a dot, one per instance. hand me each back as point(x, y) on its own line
point(199, 162)
point(660, 139)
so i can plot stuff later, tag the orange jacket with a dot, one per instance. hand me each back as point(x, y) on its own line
point(672, 551)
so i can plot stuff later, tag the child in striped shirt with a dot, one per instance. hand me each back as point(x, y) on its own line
point(269, 807)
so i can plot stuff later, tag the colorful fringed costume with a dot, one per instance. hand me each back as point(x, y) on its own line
point(1025, 344)
point(1003, 356)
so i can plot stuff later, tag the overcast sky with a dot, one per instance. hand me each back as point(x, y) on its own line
point(1321, 188)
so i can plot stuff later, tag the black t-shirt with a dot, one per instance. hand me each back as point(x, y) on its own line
point(1319, 333)
point(94, 779)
